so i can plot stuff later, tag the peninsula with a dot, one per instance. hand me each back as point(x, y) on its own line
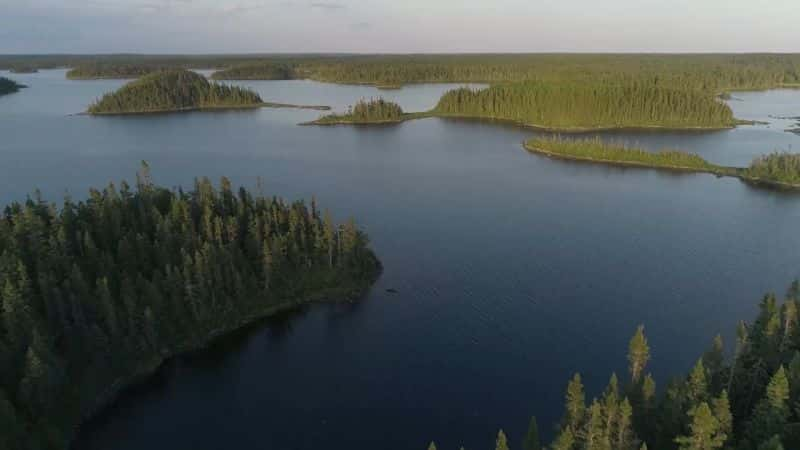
point(8, 86)
point(775, 170)
point(137, 275)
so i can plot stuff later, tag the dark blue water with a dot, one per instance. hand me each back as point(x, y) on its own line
point(513, 270)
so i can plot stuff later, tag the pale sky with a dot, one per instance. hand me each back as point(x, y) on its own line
point(398, 26)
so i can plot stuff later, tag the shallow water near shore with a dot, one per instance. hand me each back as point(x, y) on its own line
point(511, 271)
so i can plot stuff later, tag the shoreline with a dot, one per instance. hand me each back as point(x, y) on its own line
point(718, 171)
point(345, 294)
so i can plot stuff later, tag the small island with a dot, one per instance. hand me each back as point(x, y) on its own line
point(375, 111)
point(260, 71)
point(110, 71)
point(172, 91)
point(8, 86)
point(776, 170)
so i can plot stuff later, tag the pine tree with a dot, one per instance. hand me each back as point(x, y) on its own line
point(705, 433)
point(531, 441)
point(771, 413)
point(638, 354)
point(502, 441)
point(575, 403)
point(564, 441)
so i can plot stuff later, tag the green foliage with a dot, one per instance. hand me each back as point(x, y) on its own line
point(260, 71)
point(705, 431)
point(8, 86)
point(597, 150)
point(638, 354)
point(111, 71)
point(782, 167)
point(587, 105)
point(532, 441)
point(372, 111)
point(98, 291)
point(502, 442)
point(173, 90)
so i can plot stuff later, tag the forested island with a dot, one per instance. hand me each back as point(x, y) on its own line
point(589, 106)
point(174, 90)
point(8, 86)
point(96, 293)
point(262, 71)
point(374, 111)
point(777, 169)
point(750, 401)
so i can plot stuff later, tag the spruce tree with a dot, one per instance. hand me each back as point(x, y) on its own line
point(638, 354)
point(531, 441)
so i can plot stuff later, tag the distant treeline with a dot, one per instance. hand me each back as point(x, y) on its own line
point(96, 292)
point(711, 73)
point(589, 105)
point(260, 71)
point(372, 111)
point(173, 90)
point(8, 86)
point(110, 71)
point(23, 69)
point(750, 401)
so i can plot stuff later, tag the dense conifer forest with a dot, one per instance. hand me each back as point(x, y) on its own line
point(110, 71)
point(8, 86)
point(262, 71)
point(712, 73)
point(173, 90)
point(372, 111)
point(564, 105)
point(749, 400)
point(23, 69)
point(96, 291)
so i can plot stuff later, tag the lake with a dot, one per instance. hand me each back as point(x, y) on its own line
point(512, 271)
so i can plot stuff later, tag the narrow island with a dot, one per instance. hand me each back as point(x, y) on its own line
point(8, 86)
point(371, 112)
point(258, 71)
point(97, 294)
point(776, 170)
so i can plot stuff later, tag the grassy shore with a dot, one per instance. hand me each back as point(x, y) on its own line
point(597, 152)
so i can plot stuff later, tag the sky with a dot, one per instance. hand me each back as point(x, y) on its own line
point(397, 26)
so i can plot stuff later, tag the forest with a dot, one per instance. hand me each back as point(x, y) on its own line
point(94, 293)
point(748, 401)
point(173, 90)
point(110, 71)
point(261, 71)
point(8, 86)
point(567, 106)
point(365, 112)
point(778, 166)
point(711, 73)
point(23, 69)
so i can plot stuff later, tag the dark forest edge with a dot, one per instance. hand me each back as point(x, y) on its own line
point(776, 170)
point(365, 112)
point(8, 86)
point(749, 402)
point(98, 293)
